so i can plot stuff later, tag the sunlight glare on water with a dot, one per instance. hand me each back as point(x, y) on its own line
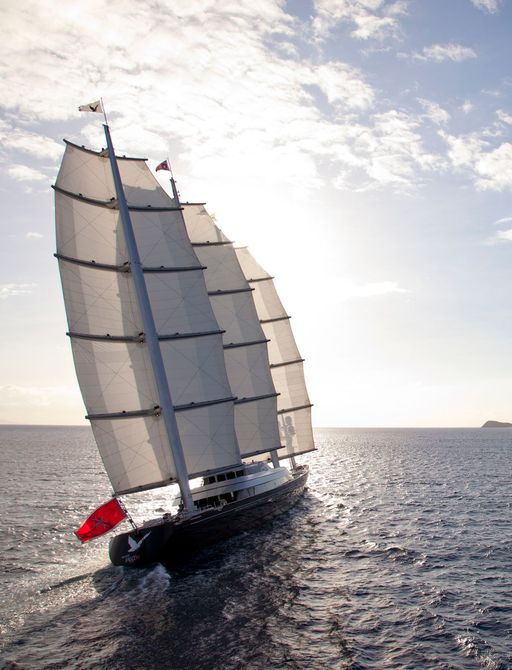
point(398, 556)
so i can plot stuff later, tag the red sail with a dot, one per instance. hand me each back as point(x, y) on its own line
point(105, 518)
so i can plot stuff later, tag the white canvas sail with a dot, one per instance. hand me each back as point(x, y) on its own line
point(245, 345)
point(113, 366)
point(294, 407)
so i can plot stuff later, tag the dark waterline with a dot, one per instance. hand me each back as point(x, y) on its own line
point(398, 556)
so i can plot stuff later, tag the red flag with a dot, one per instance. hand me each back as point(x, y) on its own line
point(105, 518)
point(164, 165)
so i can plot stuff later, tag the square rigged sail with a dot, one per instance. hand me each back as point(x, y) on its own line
point(114, 369)
point(286, 364)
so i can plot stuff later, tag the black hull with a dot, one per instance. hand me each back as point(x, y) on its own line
point(172, 541)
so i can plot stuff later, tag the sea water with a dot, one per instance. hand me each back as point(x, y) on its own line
point(398, 556)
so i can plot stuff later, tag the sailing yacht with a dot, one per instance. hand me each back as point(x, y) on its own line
point(184, 355)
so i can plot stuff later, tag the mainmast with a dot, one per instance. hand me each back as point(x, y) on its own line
point(150, 333)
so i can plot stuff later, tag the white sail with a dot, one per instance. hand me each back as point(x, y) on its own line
point(294, 407)
point(113, 365)
point(245, 345)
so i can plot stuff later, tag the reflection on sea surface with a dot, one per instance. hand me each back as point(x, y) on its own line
point(398, 556)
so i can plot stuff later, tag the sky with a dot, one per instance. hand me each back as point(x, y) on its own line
point(361, 148)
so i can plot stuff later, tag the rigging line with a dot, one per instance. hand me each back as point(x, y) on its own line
point(94, 223)
point(96, 295)
point(164, 230)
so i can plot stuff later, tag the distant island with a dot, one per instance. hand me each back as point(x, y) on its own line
point(497, 424)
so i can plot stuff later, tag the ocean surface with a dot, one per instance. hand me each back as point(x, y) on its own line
point(398, 556)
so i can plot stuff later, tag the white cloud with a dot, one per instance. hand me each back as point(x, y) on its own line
point(33, 236)
point(10, 290)
point(491, 168)
point(490, 6)
point(371, 290)
point(343, 84)
point(434, 111)
point(25, 173)
point(220, 89)
point(464, 150)
point(494, 169)
point(372, 19)
point(504, 235)
point(394, 151)
point(500, 236)
point(29, 142)
point(441, 52)
point(504, 117)
point(467, 106)
point(506, 219)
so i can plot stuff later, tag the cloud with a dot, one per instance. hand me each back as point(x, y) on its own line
point(222, 87)
point(434, 111)
point(393, 151)
point(372, 19)
point(343, 84)
point(467, 106)
point(491, 6)
point(490, 168)
point(504, 117)
point(442, 52)
point(500, 235)
point(506, 219)
point(10, 290)
point(33, 236)
point(29, 142)
point(25, 173)
point(371, 290)
point(504, 235)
